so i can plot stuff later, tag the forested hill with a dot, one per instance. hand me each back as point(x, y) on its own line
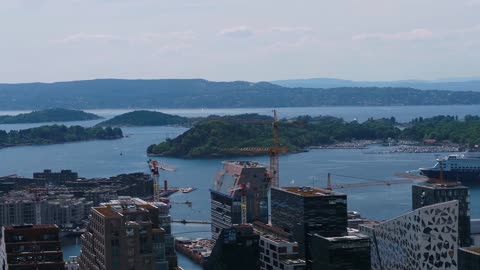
point(49, 115)
point(144, 118)
point(198, 93)
point(212, 138)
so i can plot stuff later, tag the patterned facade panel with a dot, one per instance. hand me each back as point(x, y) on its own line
point(426, 238)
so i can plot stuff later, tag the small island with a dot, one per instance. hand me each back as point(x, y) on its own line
point(56, 134)
point(144, 118)
point(49, 115)
point(210, 139)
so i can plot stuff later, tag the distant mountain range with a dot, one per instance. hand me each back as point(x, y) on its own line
point(198, 93)
point(469, 84)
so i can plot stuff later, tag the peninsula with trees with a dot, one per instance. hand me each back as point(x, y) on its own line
point(209, 139)
point(55, 134)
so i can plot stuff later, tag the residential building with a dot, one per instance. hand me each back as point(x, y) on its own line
point(430, 193)
point(33, 247)
point(278, 250)
point(43, 207)
point(56, 178)
point(424, 239)
point(128, 233)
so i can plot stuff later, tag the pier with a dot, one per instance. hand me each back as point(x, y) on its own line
point(186, 221)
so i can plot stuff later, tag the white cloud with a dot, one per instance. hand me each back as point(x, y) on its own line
point(237, 32)
point(81, 37)
point(416, 34)
point(289, 29)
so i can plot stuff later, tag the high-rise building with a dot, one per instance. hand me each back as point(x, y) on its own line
point(424, 239)
point(33, 247)
point(278, 250)
point(235, 249)
point(351, 252)
point(227, 191)
point(306, 210)
point(469, 258)
point(429, 193)
point(128, 233)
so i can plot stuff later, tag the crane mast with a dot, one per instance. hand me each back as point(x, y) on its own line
point(155, 168)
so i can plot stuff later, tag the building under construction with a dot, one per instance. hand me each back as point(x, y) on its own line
point(238, 179)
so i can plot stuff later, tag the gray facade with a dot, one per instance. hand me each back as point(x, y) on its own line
point(350, 252)
point(278, 250)
point(428, 194)
point(304, 210)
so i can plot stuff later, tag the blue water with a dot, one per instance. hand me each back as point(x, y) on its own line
point(103, 159)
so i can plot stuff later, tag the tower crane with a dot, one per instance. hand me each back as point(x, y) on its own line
point(155, 168)
point(274, 151)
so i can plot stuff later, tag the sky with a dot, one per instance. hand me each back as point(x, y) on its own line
point(226, 40)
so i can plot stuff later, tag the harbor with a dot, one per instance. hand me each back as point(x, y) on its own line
point(298, 169)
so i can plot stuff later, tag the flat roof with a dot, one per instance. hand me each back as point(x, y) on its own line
point(352, 236)
point(33, 226)
point(310, 191)
point(245, 164)
point(446, 185)
point(107, 211)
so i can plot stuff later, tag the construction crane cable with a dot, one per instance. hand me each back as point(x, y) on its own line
point(358, 178)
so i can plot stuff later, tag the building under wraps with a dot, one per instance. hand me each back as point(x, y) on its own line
point(237, 177)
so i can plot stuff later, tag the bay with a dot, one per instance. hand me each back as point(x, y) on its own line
point(107, 158)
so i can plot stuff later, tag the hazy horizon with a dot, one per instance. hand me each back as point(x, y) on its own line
point(372, 40)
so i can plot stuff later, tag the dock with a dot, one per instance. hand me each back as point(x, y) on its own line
point(185, 221)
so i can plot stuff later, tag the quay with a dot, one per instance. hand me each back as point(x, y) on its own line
point(185, 221)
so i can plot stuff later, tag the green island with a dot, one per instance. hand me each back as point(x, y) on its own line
point(144, 118)
point(48, 115)
point(209, 139)
point(56, 134)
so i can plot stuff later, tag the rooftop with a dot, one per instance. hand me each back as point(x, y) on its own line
point(245, 164)
point(445, 185)
point(310, 191)
point(106, 211)
point(293, 261)
point(28, 227)
point(124, 204)
point(352, 236)
point(273, 233)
